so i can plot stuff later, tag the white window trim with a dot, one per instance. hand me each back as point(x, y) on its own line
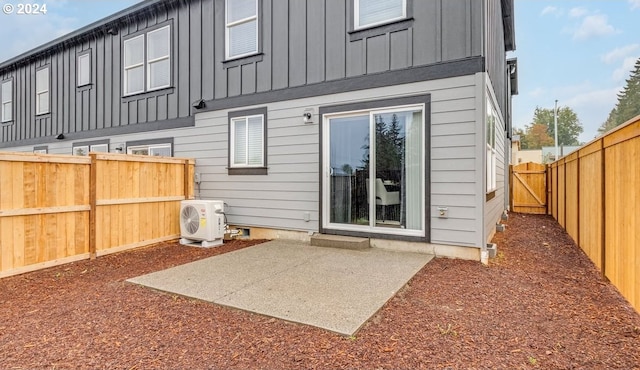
point(356, 18)
point(228, 26)
point(129, 67)
point(233, 163)
point(150, 147)
point(6, 101)
point(83, 56)
point(159, 59)
point(146, 63)
point(491, 153)
point(42, 92)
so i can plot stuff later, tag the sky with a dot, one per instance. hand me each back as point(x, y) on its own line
point(578, 52)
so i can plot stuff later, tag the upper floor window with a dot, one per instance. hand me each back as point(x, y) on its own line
point(154, 66)
point(241, 32)
point(42, 91)
point(369, 13)
point(6, 98)
point(84, 69)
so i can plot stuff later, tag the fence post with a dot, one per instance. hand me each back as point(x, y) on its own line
point(603, 246)
point(93, 174)
point(510, 188)
point(187, 179)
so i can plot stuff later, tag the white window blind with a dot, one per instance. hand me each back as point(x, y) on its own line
point(134, 65)
point(84, 69)
point(241, 27)
point(42, 91)
point(158, 63)
point(7, 101)
point(373, 12)
point(248, 141)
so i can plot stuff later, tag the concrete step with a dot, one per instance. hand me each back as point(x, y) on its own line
point(339, 241)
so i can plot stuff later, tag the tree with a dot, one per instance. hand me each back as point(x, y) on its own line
point(537, 136)
point(569, 126)
point(611, 122)
point(628, 105)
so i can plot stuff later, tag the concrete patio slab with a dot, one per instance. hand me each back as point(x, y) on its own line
point(334, 289)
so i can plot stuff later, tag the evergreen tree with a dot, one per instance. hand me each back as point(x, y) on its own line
point(628, 105)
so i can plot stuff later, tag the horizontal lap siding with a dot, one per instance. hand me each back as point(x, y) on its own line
point(291, 188)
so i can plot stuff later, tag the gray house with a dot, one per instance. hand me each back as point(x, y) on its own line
point(388, 119)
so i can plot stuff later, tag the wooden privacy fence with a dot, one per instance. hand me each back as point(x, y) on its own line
point(595, 196)
point(529, 188)
point(56, 209)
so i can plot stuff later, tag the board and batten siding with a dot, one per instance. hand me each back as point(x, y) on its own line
point(302, 43)
point(495, 54)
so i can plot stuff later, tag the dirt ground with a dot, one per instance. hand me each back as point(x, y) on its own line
point(539, 304)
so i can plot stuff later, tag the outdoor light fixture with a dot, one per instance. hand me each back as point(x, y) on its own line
point(199, 104)
point(60, 137)
point(112, 31)
point(307, 116)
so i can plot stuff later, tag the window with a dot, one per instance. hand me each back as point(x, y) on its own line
point(41, 149)
point(84, 148)
point(151, 149)
point(247, 142)
point(246, 138)
point(84, 69)
point(241, 19)
point(373, 166)
point(156, 61)
point(42, 91)
point(6, 97)
point(375, 12)
point(491, 148)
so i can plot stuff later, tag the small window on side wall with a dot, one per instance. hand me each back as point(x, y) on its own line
point(6, 99)
point(42, 91)
point(84, 69)
point(247, 142)
point(368, 13)
point(241, 28)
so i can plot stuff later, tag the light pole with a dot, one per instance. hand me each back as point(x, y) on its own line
point(555, 125)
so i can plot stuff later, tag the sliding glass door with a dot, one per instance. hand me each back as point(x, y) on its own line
point(374, 177)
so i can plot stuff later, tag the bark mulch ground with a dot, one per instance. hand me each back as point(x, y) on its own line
point(539, 304)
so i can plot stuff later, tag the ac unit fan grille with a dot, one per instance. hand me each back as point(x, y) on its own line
point(190, 219)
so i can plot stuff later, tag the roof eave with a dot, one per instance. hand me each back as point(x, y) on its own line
point(102, 24)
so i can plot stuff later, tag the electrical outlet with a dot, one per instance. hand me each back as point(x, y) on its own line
point(196, 178)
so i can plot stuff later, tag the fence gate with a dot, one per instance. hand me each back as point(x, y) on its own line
point(529, 188)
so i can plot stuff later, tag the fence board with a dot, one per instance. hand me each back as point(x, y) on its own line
point(599, 185)
point(571, 198)
point(47, 203)
point(591, 207)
